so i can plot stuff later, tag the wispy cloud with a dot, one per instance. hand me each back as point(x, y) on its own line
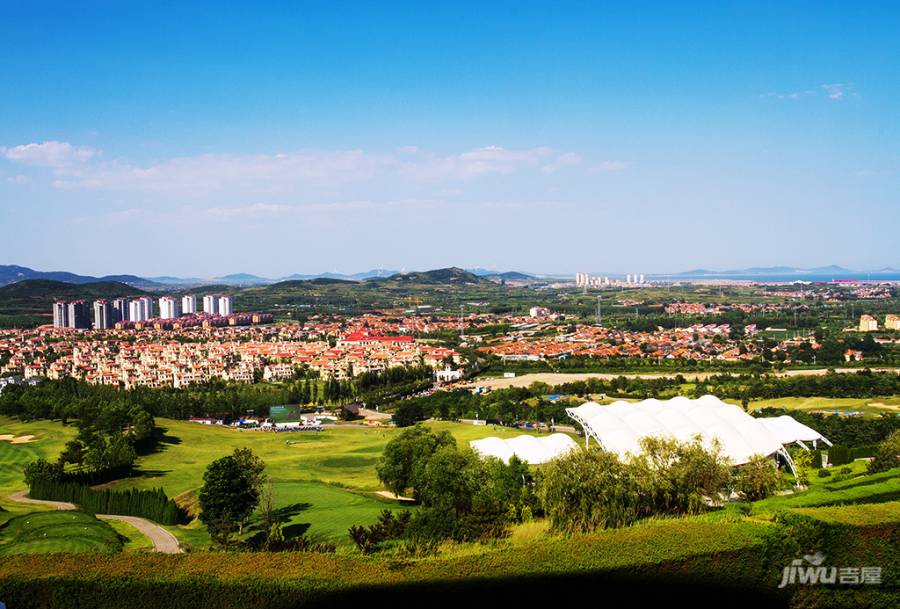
point(838, 91)
point(833, 91)
point(49, 154)
point(82, 168)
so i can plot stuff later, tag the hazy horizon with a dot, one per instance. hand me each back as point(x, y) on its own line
point(176, 140)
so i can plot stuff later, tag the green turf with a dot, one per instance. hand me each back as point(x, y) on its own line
point(49, 440)
point(57, 531)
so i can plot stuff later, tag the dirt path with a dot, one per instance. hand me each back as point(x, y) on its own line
point(162, 540)
point(558, 378)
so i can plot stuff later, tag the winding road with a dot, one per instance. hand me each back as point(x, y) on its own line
point(162, 540)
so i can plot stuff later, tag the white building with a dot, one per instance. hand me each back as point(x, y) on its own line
point(225, 305)
point(136, 310)
point(60, 315)
point(188, 304)
point(103, 315)
point(211, 304)
point(168, 307)
point(539, 312)
point(147, 305)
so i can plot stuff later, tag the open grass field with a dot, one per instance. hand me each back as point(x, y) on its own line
point(43, 532)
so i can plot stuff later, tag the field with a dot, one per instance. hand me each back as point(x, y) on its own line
point(44, 532)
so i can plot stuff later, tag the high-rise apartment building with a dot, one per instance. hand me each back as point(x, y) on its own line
point(103, 315)
point(136, 311)
point(168, 307)
point(79, 315)
point(225, 305)
point(188, 304)
point(120, 309)
point(211, 304)
point(60, 315)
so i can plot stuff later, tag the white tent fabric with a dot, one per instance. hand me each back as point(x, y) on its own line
point(530, 449)
point(788, 430)
point(620, 426)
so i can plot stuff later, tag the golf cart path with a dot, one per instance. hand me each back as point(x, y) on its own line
point(162, 540)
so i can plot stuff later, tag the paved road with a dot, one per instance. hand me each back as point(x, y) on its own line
point(162, 540)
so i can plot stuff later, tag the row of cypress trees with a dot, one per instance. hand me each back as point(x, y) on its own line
point(152, 504)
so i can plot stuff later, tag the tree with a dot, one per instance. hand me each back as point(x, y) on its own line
point(757, 479)
point(229, 494)
point(403, 460)
point(679, 477)
point(888, 455)
point(587, 490)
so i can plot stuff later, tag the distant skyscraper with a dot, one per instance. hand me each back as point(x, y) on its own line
point(188, 304)
point(103, 315)
point(60, 315)
point(224, 305)
point(168, 307)
point(120, 309)
point(211, 303)
point(79, 315)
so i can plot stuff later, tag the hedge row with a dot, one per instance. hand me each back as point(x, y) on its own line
point(152, 504)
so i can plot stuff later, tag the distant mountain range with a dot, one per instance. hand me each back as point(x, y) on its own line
point(778, 270)
point(14, 273)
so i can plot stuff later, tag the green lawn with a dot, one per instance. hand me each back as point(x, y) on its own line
point(42, 532)
point(48, 442)
point(865, 405)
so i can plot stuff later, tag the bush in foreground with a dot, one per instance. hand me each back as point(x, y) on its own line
point(760, 478)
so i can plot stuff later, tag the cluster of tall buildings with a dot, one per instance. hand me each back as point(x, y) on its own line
point(585, 280)
point(107, 313)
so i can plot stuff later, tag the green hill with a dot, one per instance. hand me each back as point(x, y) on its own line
point(449, 276)
point(30, 302)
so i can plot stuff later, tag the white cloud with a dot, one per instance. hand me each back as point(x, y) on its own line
point(833, 91)
point(79, 168)
point(838, 91)
point(49, 154)
point(18, 179)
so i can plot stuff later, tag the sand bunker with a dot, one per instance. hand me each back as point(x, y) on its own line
point(16, 439)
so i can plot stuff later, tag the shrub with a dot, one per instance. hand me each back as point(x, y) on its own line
point(759, 478)
point(839, 455)
point(888, 454)
point(824, 473)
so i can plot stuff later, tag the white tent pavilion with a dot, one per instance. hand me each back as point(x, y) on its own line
point(620, 426)
point(530, 449)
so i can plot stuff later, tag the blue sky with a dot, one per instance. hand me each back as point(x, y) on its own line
point(197, 139)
